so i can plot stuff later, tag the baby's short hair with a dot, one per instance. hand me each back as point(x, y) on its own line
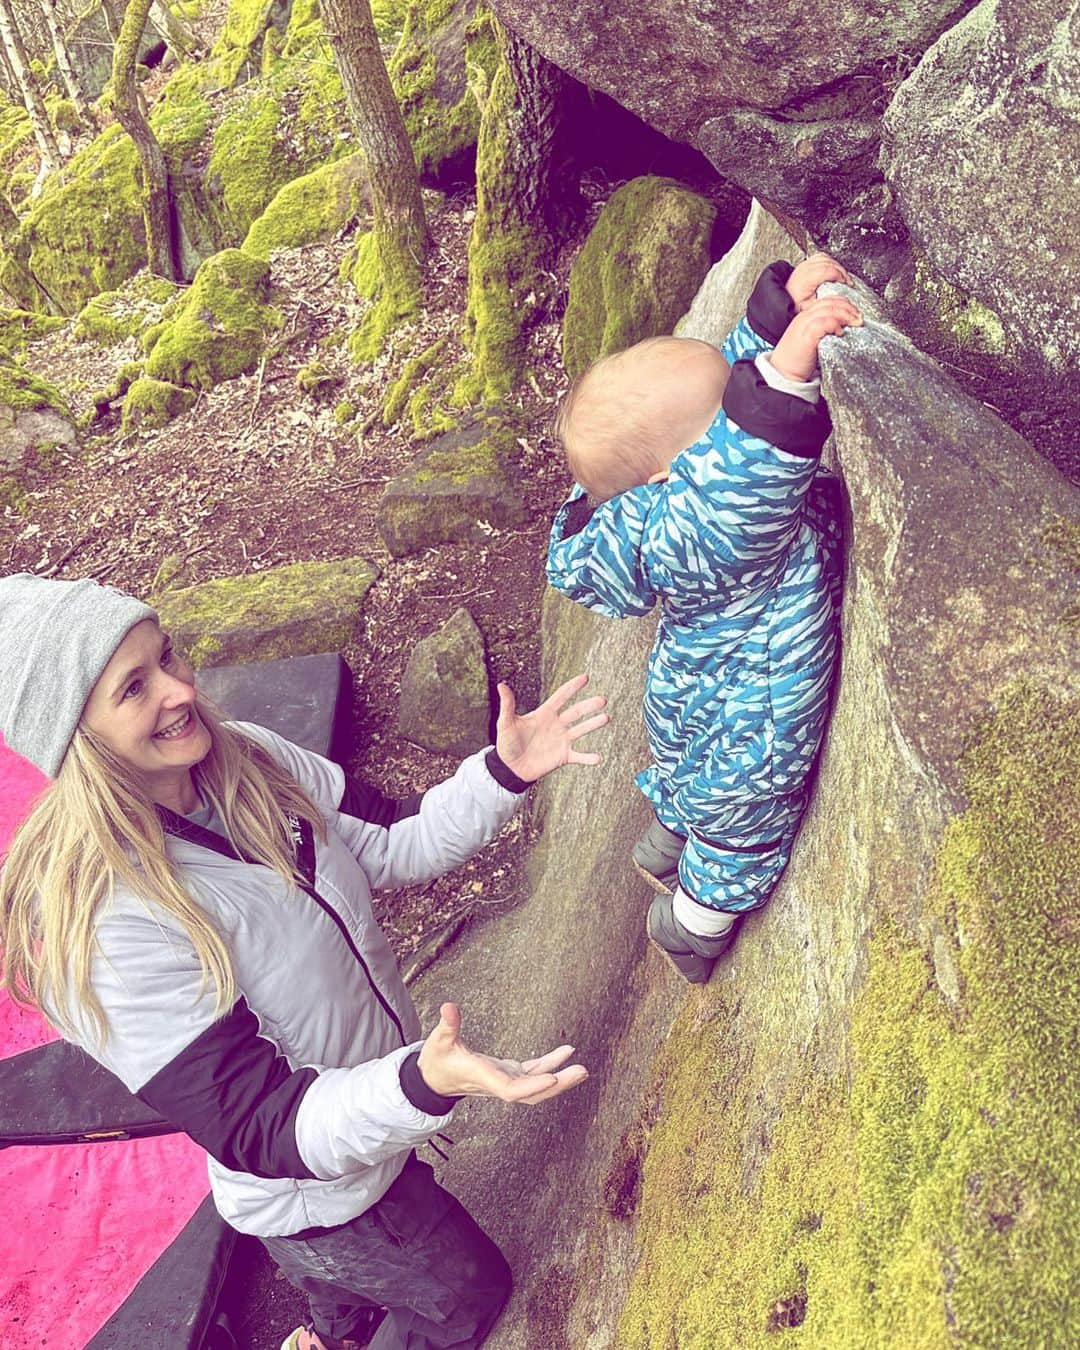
point(610, 431)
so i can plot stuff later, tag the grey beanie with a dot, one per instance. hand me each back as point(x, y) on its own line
point(56, 637)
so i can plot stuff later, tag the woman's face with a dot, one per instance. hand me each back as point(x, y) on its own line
point(143, 709)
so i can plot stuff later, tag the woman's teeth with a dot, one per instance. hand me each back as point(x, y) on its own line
point(174, 730)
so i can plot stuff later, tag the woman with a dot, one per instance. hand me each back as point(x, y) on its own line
point(190, 903)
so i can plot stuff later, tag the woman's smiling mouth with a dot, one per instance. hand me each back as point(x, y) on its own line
point(176, 729)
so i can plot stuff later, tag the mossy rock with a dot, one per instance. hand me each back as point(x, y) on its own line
point(311, 208)
point(114, 316)
point(19, 327)
point(445, 704)
point(441, 71)
point(152, 403)
point(220, 327)
point(63, 114)
point(287, 611)
point(237, 53)
point(931, 1198)
point(640, 268)
point(33, 418)
point(464, 484)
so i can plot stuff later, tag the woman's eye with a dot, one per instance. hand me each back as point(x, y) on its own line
point(134, 688)
point(167, 657)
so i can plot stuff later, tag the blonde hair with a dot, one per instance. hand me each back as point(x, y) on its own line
point(615, 431)
point(95, 827)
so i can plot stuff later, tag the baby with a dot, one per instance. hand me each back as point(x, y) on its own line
point(697, 486)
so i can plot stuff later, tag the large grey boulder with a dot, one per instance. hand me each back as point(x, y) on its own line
point(981, 147)
point(444, 703)
point(862, 1123)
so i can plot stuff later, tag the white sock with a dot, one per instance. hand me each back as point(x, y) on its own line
point(700, 919)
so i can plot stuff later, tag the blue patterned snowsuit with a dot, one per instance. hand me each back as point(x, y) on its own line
point(741, 546)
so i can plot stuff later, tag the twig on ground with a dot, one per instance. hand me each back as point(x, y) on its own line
point(64, 557)
point(258, 393)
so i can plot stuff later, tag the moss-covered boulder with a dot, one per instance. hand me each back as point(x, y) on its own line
point(220, 327)
point(19, 327)
point(151, 403)
point(34, 423)
point(114, 316)
point(640, 268)
point(441, 71)
point(237, 53)
point(286, 611)
point(311, 208)
point(445, 704)
point(462, 485)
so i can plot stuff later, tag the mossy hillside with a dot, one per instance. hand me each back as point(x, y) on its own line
point(932, 1199)
point(310, 208)
point(114, 316)
point(639, 269)
point(220, 327)
point(288, 611)
point(153, 403)
point(441, 69)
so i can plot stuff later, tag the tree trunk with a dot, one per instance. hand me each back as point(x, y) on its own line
point(159, 210)
point(400, 229)
point(179, 38)
point(525, 195)
point(20, 64)
point(63, 63)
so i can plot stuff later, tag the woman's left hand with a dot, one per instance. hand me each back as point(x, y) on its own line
point(534, 744)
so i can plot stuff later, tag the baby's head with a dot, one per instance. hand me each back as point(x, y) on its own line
point(624, 421)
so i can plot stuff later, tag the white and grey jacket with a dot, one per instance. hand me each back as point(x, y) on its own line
point(305, 1094)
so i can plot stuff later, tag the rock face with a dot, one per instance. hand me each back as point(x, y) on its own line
point(33, 416)
point(995, 99)
point(464, 482)
point(287, 611)
point(640, 267)
point(903, 136)
point(862, 1125)
point(444, 691)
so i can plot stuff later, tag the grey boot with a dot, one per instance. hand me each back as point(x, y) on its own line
point(692, 955)
point(656, 856)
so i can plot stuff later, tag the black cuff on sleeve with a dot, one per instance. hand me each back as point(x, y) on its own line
point(784, 420)
point(770, 309)
point(418, 1092)
point(578, 515)
point(503, 775)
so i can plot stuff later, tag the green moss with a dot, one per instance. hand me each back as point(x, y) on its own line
point(114, 316)
point(640, 268)
point(220, 326)
point(446, 58)
point(63, 114)
point(344, 412)
point(238, 49)
point(248, 162)
point(933, 1199)
point(19, 327)
point(317, 378)
point(310, 208)
point(22, 391)
point(287, 611)
point(153, 403)
point(961, 320)
point(412, 373)
point(366, 276)
point(12, 495)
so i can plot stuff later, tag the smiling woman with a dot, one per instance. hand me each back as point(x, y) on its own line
point(190, 902)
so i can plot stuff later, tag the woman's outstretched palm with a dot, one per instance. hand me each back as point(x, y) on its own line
point(535, 743)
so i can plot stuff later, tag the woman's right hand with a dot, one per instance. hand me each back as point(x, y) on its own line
point(450, 1068)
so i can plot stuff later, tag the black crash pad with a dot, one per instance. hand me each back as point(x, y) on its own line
point(303, 698)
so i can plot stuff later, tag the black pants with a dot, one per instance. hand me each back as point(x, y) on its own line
point(418, 1253)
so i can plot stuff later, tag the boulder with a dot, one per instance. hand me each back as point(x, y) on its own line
point(152, 403)
point(444, 702)
point(441, 71)
point(20, 327)
point(863, 1125)
point(219, 327)
point(312, 208)
point(463, 484)
point(114, 316)
point(980, 146)
point(33, 417)
point(286, 611)
point(640, 267)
